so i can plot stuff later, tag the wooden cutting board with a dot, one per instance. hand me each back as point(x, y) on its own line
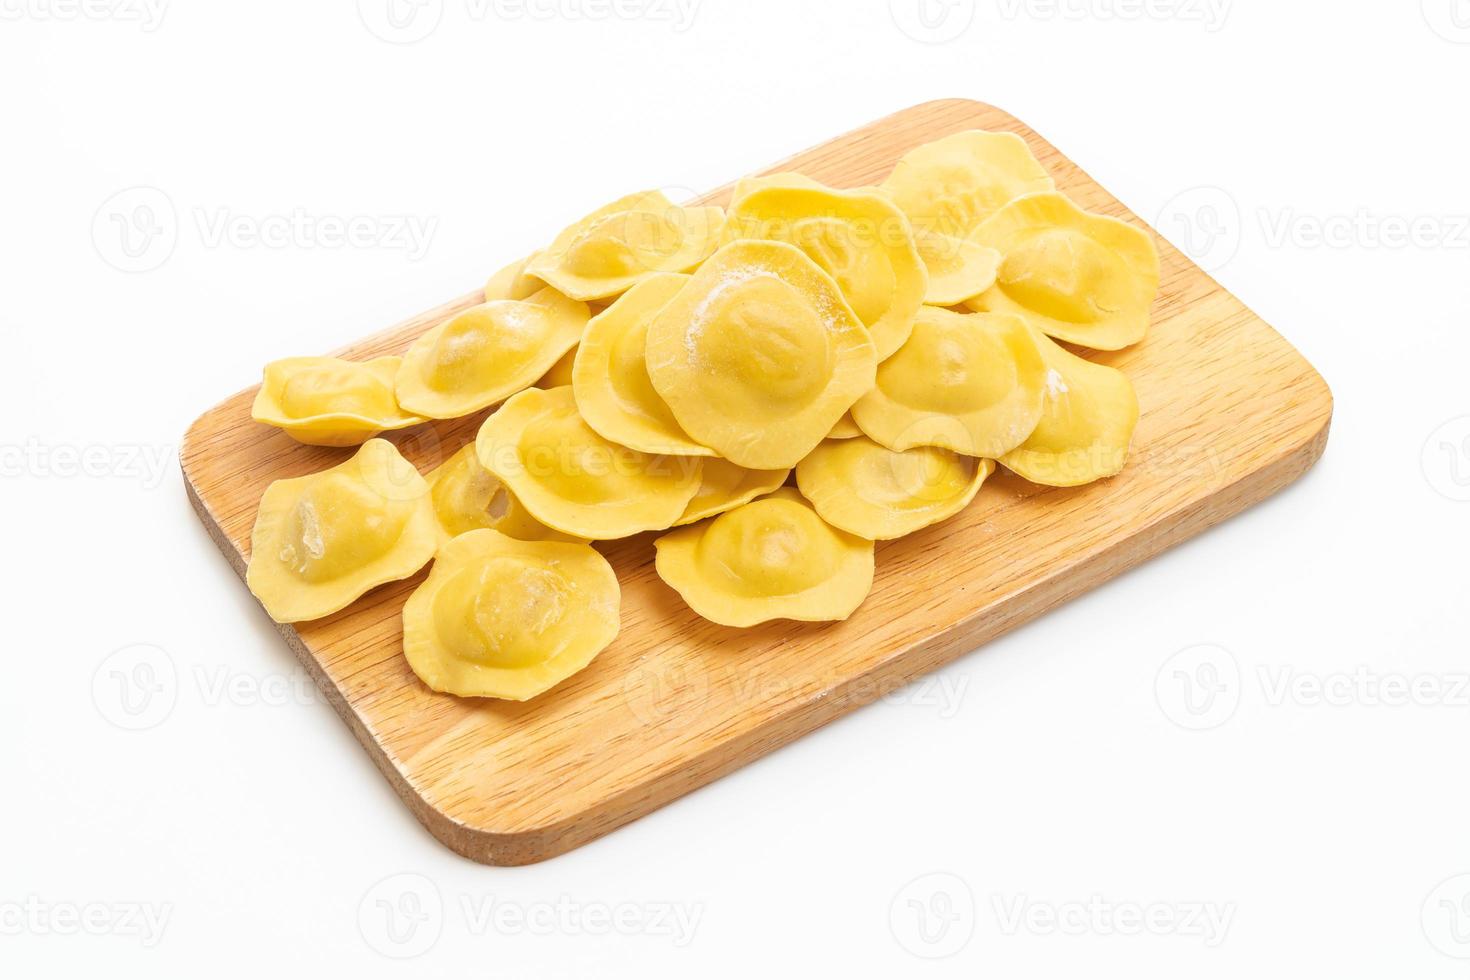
point(1231, 413)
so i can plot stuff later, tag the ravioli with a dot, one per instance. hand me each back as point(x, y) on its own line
point(772, 558)
point(503, 618)
point(858, 238)
point(959, 269)
point(488, 353)
point(971, 383)
point(876, 493)
point(320, 541)
point(326, 401)
point(1086, 425)
point(759, 355)
point(512, 282)
point(611, 249)
point(571, 479)
point(723, 486)
point(610, 375)
point(1085, 278)
point(953, 184)
point(468, 497)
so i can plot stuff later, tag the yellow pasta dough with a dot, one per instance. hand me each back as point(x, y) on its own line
point(572, 479)
point(560, 373)
point(610, 375)
point(609, 250)
point(322, 540)
point(959, 269)
point(1084, 278)
point(951, 185)
point(845, 428)
point(968, 382)
point(468, 497)
point(859, 238)
point(326, 401)
point(1086, 425)
point(503, 618)
point(876, 493)
point(759, 355)
point(723, 486)
point(488, 353)
point(772, 558)
point(512, 282)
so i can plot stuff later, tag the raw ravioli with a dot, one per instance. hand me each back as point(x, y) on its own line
point(1086, 425)
point(611, 249)
point(772, 558)
point(503, 618)
point(488, 353)
point(968, 382)
point(322, 540)
point(759, 356)
point(876, 493)
point(572, 479)
point(326, 401)
point(1084, 278)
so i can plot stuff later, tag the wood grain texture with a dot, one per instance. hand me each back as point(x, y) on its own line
point(1230, 414)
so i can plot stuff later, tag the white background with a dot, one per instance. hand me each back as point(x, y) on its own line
point(1052, 774)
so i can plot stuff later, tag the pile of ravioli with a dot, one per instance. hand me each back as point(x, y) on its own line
point(773, 387)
